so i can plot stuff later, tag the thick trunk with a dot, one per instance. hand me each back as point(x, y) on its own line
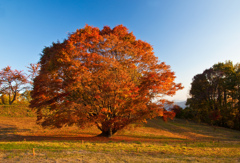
point(109, 133)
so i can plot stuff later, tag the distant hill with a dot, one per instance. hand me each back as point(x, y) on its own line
point(182, 104)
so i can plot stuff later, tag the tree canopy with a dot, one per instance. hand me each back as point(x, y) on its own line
point(11, 83)
point(215, 95)
point(105, 77)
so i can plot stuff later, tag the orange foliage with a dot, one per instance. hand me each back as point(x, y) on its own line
point(102, 77)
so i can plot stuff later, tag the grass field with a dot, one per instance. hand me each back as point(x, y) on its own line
point(21, 140)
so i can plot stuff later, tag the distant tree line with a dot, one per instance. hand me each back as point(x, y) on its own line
point(215, 97)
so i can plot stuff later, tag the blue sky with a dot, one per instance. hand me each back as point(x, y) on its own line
point(189, 35)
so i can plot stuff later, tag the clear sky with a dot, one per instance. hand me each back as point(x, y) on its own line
point(189, 35)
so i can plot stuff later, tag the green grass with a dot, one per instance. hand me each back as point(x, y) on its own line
point(146, 150)
point(221, 149)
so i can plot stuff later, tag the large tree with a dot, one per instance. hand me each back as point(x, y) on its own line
point(12, 82)
point(102, 77)
point(215, 95)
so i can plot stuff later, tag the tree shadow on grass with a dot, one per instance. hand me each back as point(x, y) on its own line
point(11, 133)
point(192, 131)
point(195, 131)
point(8, 132)
point(15, 137)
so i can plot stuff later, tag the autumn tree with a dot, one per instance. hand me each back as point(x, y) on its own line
point(105, 77)
point(11, 83)
point(177, 110)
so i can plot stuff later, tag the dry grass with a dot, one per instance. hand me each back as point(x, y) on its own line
point(156, 141)
point(19, 128)
point(69, 151)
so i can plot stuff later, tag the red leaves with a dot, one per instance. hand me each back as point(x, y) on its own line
point(168, 114)
point(108, 76)
point(12, 82)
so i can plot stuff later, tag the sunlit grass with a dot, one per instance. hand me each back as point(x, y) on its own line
point(148, 150)
point(189, 149)
point(16, 111)
point(21, 140)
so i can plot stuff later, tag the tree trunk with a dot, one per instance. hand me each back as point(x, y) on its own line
point(9, 98)
point(109, 133)
point(3, 99)
point(13, 99)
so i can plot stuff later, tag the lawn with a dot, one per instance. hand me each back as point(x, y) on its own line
point(21, 140)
